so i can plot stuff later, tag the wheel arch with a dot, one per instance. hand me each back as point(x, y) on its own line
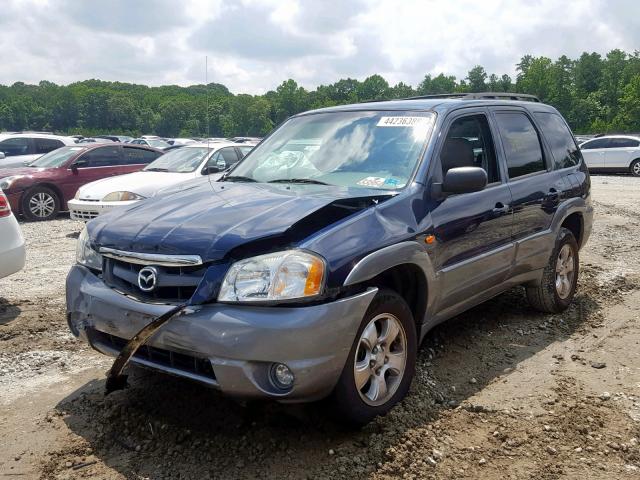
point(50, 186)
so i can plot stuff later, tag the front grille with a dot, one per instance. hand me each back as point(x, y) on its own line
point(157, 356)
point(174, 284)
point(83, 215)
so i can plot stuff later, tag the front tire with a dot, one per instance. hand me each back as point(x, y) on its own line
point(634, 168)
point(381, 363)
point(40, 203)
point(560, 277)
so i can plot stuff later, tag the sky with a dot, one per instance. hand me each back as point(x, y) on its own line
point(254, 45)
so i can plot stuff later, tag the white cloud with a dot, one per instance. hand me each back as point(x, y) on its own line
point(253, 45)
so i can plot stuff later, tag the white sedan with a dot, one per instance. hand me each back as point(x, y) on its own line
point(613, 153)
point(177, 166)
point(11, 241)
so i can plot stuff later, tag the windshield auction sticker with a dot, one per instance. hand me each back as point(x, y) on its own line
point(403, 121)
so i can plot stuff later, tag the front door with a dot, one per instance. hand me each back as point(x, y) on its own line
point(473, 249)
point(95, 164)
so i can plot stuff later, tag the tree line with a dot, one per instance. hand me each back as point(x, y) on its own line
point(595, 93)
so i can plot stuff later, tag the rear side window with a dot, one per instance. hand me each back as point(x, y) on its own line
point(564, 149)
point(597, 143)
point(139, 156)
point(46, 145)
point(623, 143)
point(521, 144)
point(103, 157)
point(15, 146)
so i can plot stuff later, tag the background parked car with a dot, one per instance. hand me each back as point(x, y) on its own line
point(613, 153)
point(12, 252)
point(180, 165)
point(116, 138)
point(20, 148)
point(151, 142)
point(40, 190)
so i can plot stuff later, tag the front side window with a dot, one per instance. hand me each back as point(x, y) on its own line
point(12, 147)
point(371, 149)
point(521, 144)
point(182, 160)
point(46, 145)
point(594, 144)
point(57, 158)
point(563, 147)
point(469, 144)
point(102, 157)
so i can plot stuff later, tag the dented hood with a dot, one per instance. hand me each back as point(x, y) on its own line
point(212, 219)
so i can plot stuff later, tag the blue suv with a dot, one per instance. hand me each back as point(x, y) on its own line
point(315, 267)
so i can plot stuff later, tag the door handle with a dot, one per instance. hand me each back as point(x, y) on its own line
point(501, 208)
point(553, 194)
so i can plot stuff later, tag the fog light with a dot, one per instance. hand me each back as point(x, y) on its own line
point(281, 375)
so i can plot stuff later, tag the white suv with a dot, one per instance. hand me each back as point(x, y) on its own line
point(18, 149)
point(613, 153)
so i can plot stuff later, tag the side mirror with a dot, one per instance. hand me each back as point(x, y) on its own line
point(2, 155)
point(464, 180)
point(211, 169)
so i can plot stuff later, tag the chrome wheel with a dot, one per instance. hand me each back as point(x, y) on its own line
point(42, 204)
point(381, 358)
point(565, 271)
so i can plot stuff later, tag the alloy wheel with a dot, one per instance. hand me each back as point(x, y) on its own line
point(42, 205)
point(636, 169)
point(381, 358)
point(565, 271)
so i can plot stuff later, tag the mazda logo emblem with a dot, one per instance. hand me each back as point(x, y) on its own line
point(147, 279)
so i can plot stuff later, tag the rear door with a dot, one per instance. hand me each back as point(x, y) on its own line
point(95, 164)
point(593, 152)
point(474, 248)
point(620, 153)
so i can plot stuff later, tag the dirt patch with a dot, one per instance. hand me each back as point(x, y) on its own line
point(500, 391)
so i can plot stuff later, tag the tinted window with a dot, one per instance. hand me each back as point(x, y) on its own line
point(623, 143)
point(102, 157)
point(138, 156)
point(46, 145)
point(15, 146)
point(564, 149)
point(597, 143)
point(469, 144)
point(521, 144)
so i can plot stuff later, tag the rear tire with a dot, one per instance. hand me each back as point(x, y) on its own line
point(381, 363)
point(560, 277)
point(40, 203)
point(634, 168)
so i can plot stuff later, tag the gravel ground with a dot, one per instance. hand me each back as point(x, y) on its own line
point(500, 391)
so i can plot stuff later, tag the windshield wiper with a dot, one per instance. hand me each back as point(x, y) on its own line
point(156, 169)
point(299, 180)
point(237, 178)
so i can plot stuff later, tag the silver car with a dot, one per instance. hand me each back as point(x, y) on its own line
point(613, 153)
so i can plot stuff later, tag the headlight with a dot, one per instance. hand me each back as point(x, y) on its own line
point(276, 276)
point(77, 195)
point(122, 197)
point(85, 255)
point(6, 182)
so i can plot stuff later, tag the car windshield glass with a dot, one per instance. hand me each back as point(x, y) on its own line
point(57, 158)
point(182, 160)
point(157, 143)
point(352, 149)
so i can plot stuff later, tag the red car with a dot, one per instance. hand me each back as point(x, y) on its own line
point(41, 189)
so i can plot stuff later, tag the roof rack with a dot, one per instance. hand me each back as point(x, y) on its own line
point(524, 97)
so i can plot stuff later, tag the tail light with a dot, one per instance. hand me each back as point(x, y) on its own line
point(5, 208)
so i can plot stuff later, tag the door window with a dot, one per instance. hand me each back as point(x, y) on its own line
point(597, 143)
point(623, 143)
point(15, 146)
point(469, 144)
point(563, 147)
point(102, 157)
point(46, 145)
point(139, 156)
point(521, 144)
point(223, 158)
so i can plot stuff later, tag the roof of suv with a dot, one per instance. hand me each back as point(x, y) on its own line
point(443, 103)
point(37, 135)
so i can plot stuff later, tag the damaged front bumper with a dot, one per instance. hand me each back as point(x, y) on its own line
point(230, 347)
